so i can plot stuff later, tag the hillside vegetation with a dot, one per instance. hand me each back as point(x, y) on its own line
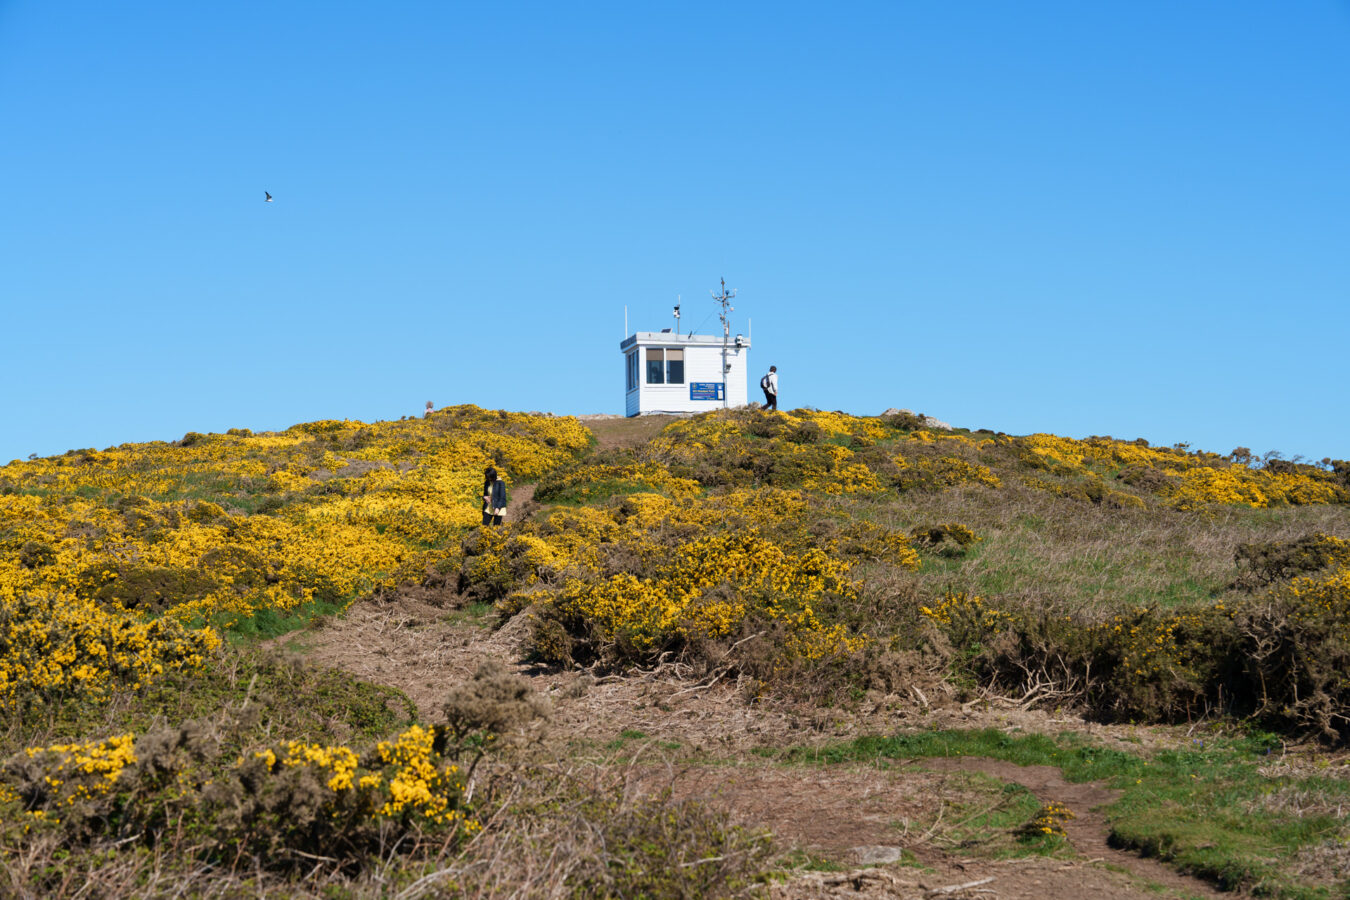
point(807, 558)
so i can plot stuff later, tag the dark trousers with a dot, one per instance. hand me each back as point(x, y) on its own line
point(770, 400)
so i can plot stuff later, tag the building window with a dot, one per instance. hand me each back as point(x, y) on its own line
point(674, 367)
point(655, 367)
point(632, 363)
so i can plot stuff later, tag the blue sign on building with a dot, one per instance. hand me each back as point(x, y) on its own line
point(705, 390)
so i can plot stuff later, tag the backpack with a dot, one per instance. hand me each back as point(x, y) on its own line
point(764, 383)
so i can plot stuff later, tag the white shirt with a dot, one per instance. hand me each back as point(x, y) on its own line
point(773, 382)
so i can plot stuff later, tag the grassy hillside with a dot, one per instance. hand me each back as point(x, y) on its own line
point(1145, 583)
point(808, 557)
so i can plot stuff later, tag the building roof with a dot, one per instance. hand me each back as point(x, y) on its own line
point(668, 338)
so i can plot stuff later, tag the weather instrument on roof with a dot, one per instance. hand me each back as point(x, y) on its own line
point(725, 299)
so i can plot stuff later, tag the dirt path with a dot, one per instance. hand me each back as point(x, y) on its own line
point(1088, 831)
point(521, 503)
point(702, 742)
point(621, 431)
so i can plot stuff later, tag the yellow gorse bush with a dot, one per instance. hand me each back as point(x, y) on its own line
point(78, 772)
point(688, 436)
point(964, 613)
point(1151, 645)
point(697, 566)
point(838, 423)
point(1049, 821)
point(680, 601)
point(803, 448)
point(1325, 597)
point(943, 471)
point(587, 482)
point(114, 564)
point(834, 453)
point(57, 642)
point(419, 781)
point(407, 779)
point(1192, 480)
point(674, 560)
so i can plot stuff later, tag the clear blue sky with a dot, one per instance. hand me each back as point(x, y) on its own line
point(1126, 218)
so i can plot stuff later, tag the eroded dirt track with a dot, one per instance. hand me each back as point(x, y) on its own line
point(701, 740)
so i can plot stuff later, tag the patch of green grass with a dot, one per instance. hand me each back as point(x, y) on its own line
point(802, 861)
point(211, 486)
point(908, 859)
point(629, 735)
point(480, 614)
point(1205, 808)
point(270, 622)
point(626, 736)
point(982, 820)
point(936, 564)
point(1030, 521)
point(1009, 566)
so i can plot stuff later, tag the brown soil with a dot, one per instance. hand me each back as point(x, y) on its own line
point(699, 741)
point(521, 503)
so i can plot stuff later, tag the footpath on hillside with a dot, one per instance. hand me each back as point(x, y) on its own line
point(703, 742)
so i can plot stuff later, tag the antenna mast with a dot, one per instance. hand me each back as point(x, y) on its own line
point(725, 299)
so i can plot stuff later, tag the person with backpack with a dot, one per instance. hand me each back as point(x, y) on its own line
point(769, 384)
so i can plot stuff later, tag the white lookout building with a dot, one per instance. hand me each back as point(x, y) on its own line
point(669, 372)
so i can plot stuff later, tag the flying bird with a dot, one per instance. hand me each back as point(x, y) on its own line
point(267, 198)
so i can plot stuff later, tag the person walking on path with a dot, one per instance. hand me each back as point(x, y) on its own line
point(769, 383)
point(489, 479)
point(497, 499)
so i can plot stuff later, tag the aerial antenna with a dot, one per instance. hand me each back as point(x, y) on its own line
point(677, 315)
point(725, 299)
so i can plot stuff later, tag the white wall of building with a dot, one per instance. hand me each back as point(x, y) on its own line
point(703, 363)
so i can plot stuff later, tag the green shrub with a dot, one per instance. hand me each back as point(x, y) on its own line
point(1281, 661)
point(1263, 564)
point(36, 554)
point(280, 806)
point(905, 421)
point(951, 539)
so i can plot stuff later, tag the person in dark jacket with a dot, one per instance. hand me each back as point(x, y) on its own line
point(498, 500)
point(489, 478)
